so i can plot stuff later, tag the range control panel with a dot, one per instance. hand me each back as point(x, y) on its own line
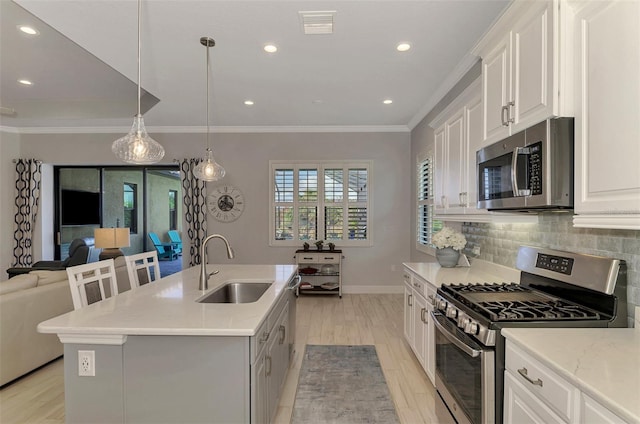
point(554, 263)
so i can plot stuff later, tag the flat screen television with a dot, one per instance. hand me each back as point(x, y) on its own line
point(80, 207)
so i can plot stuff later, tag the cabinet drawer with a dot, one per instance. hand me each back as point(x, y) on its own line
point(328, 258)
point(540, 380)
point(419, 286)
point(307, 258)
point(258, 341)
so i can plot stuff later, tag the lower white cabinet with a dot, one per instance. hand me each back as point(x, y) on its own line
point(592, 412)
point(418, 325)
point(270, 366)
point(534, 393)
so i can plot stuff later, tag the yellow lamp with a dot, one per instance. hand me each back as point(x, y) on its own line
point(110, 240)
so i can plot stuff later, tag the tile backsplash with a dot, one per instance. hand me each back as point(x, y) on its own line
point(499, 244)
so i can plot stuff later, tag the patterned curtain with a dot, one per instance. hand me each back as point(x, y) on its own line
point(28, 177)
point(194, 199)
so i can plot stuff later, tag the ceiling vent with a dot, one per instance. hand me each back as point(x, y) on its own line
point(320, 22)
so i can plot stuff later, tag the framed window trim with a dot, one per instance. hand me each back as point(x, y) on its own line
point(321, 202)
point(423, 243)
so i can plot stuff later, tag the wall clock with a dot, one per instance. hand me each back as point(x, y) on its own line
point(226, 203)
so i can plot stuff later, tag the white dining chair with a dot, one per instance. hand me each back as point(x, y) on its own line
point(92, 282)
point(143, 268)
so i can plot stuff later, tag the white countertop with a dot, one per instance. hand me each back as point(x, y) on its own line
point(479, 272)
point(602, 362)
point(169, 307)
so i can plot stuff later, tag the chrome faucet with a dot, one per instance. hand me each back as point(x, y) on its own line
point(204, 277)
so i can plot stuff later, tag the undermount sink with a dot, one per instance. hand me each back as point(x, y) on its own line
point(237, 292)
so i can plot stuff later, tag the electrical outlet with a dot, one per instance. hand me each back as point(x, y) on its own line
point(87, 363)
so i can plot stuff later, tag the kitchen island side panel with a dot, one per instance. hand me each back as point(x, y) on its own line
point(97, 399)
point(187, 379)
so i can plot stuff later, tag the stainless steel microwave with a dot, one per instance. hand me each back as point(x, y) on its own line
point(528, 171)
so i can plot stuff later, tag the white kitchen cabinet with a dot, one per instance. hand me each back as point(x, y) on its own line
point(592, 412)
point(457, 138)
point(607, 118)
point(418, 326)
point(534, 393)
point(524, 71)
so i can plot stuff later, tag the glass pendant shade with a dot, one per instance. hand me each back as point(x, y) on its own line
point(137, 146)
point(209, 169)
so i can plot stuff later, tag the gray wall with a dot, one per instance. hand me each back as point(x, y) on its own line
point(246, 160)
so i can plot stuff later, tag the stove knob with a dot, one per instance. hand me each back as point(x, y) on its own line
point(442, 305)
point(463, 323)
point(471, 328)
point(452, 312)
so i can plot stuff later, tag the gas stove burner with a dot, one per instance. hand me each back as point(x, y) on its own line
point(486, 288)
point(538, 310)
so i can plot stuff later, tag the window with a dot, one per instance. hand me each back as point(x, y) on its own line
point(320, 201)
point(426, 224)
point(173, 210)
point(131, 207)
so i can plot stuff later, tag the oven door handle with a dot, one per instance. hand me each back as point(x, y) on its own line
point(474, 353)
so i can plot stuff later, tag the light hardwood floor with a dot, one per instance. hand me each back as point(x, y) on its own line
point(375, 319)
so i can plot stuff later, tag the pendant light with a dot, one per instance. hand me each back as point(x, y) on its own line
point(208, 169)
point(137, 146)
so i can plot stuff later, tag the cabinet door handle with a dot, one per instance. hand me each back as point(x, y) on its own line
point(268, 368)
point(504, 112)
point(283, 332)
point(422, 315)
point(509, 118)
point(523, 372)
point(409, 300)
point(307, 258)
point(265, 337)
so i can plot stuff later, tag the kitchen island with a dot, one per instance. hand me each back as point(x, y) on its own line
point(160, 356)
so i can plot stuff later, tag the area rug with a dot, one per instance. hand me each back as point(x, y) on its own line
point(342, 384)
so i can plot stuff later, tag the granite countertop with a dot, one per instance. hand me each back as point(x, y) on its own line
point(479, 272)
point(169, 307)
point(604, 363)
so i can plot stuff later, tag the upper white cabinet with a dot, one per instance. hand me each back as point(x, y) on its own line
point(607, 114)
point(524, 69)
point(458, 136)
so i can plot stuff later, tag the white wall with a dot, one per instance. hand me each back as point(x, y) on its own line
point(246, 160)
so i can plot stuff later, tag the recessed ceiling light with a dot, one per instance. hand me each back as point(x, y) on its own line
point(270, 48)
point(403, 47)
point(387, 101)
point(25, 82)
point(248, 102)
point(28, 30)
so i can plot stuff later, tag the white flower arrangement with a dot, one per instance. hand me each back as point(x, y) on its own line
point(448, 237)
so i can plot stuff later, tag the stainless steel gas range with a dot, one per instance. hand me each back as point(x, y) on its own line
point(556, 289)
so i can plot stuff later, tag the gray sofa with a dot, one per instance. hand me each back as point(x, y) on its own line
point(25, 301)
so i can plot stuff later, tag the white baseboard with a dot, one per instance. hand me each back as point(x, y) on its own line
point(397, 289)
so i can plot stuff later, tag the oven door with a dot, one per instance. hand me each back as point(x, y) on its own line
point(464, 375)
point(504, 174)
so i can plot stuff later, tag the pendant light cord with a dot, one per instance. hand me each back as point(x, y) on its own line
point(139, 49)
point(208, 72)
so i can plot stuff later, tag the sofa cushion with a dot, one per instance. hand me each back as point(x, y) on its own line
point(19, 282)
point(48, 277)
